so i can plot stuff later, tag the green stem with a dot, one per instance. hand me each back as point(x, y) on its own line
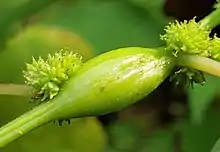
point(212, 20)
point(200, 63)
point(14, 89)
point(27, 122)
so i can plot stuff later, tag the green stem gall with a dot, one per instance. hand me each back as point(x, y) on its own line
point(113, 81)
point(104, 84)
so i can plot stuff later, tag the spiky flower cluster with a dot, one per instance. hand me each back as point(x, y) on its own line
point(187, 77)
point(188, 37)
point(192, 38)
point(215, 48)
point(46, 76)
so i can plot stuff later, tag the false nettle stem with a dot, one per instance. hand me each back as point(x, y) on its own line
point(31, 120)
point(14, 89)
point(212, 20)
point(200, 63)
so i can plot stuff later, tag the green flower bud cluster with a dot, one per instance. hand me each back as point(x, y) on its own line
point(215, 48)
point(46, 76)
point(186, 77)
point(192, 38)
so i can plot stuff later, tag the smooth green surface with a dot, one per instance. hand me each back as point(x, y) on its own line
point(113, 81)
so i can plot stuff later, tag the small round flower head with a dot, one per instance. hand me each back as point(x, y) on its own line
point(46, 76)
point(188, 37)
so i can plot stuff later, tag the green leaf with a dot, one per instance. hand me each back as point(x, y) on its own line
point(108, 24)
point(216, 147)
point(123, 136)
point(154, 8)
point(200, 97)
point(160, 141)
point(201, 137)
point(128, 137)
point(14, 13)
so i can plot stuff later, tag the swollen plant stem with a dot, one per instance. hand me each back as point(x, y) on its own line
point(25, 123)
point(14, 89)
point(212, 20)
point(200, 63)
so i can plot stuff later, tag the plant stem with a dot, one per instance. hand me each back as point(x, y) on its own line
point(212, 20)
point(14, 89)
point(200, 63)
point(27, 122)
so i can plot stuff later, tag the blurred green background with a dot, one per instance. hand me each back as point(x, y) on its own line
point(169, 120)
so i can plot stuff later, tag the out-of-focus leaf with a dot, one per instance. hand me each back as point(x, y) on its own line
point(38, 41)
point(123, 136)
point(84, 135)
point(201, 137)
point(106, 24)
point(155, 8)
point(160, 141)
point(129, 137)
point(216, 147)
point(13, 13)
point(201, 97)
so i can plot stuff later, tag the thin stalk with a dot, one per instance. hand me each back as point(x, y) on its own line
point(27, 122)
point(212, 20)
point(14, 89)
point(200, 63)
